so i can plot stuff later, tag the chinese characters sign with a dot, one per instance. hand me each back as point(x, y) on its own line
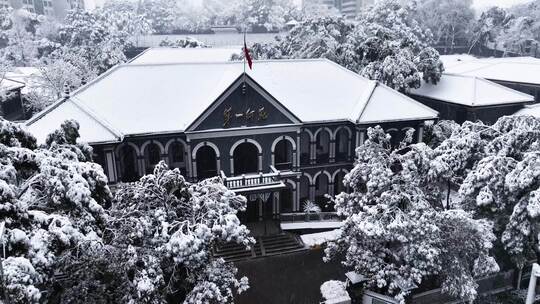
point(243, 116)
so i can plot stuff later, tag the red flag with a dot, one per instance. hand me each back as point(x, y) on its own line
point(247, 56)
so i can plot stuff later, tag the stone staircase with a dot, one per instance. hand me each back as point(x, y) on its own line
point(267, 245)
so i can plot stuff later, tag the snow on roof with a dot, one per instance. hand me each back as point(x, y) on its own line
point(138, 99)
point(9, 84)
point(452, 60)
point(470, 91)
point(385, 107)
point(91, 130)
point(30, 76)
point(510, 69)
point(533, 110)
point(184, 55)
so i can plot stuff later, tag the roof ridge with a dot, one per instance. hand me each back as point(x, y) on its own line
point(134, 64)
point(103, 122)
point(366, 97)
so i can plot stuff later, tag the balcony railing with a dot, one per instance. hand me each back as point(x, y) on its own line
point(310, 217)
point(261, 180)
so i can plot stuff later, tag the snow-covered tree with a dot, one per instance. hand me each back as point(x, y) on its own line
point(386, 44)
point(158, 245)
point(160, 14)
point(57, 75)
point(503, 185)
point(398, 231)
point(489, 26)
point(449, 20)
point(18, 36)
point(52, 200)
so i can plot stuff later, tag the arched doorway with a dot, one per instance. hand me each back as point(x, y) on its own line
point(342, 145)
point(323, 146)
point(283, 155)
point(152, 156)
point(206, 160)
point(246, 159)
point(286, 199)
point(304, 189)
point(128, 163)
point(321, 189)
point(177, 157)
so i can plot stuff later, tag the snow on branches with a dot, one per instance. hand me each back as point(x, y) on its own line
point(461, 207)
point(51, 200)
point(385, 44)
point(168, 228)
point(397, 229)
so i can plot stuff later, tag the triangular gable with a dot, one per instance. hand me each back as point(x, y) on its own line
point(386, 104)
point(244, 104)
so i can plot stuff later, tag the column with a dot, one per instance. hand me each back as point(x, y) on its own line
point(332, 151)
point(420, 133)
point(298, 149)
point(312, 193)
point(313, 152)
point(142, 165)
point(110, 164)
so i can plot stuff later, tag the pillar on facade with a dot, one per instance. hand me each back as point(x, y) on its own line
point(298, 149)
point(110, 164)
point(312, 192)
point(420, 133)
point(141, 164)
point(332, 152)
point(313, 152)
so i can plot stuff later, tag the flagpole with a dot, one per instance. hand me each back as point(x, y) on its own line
point(245, 50)
point(245, 54)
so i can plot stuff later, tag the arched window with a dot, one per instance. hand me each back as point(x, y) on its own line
point(283, 155)
point(152, 156)
point(128, 164)
point(342, 145)
point(323, 146)
point(206, 162)
point(177, 157)
point(246, 159)
point(304, 188)
point(305, 148)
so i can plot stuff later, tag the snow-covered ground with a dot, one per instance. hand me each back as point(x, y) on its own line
point(314, 239)
point(311, 225)
point(334, 292)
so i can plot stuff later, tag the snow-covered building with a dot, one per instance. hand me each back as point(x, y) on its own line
point(518, 73)
point(461, 97)
point(282, 133)
point(11, 107)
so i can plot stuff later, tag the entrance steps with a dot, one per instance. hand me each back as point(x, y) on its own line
point(267, 245)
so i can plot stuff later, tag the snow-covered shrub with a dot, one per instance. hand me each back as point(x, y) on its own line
point(333, 290)
point(311, 207)
point(188, 42)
